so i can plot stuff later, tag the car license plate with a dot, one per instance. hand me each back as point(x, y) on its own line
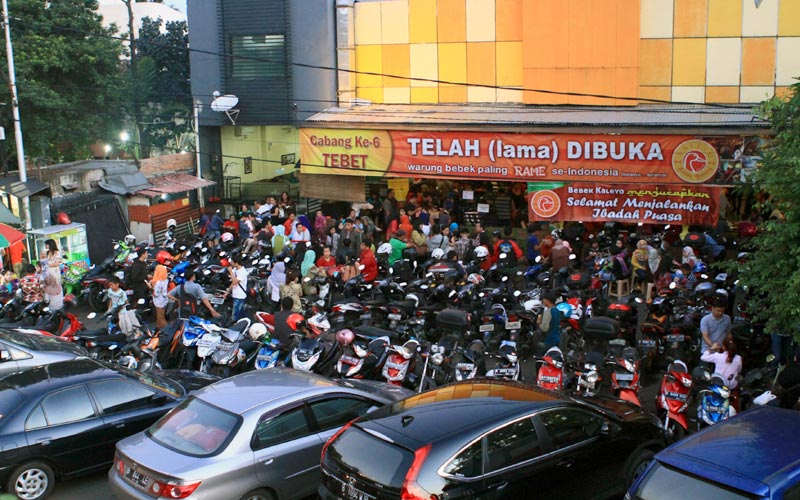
point(505, 372)
point(137, 478)
point(513, 325)
point(465, 366)
point(674, 338)
point(488, 327)
point(394, 317)
point(624, 376)
point(647, 343)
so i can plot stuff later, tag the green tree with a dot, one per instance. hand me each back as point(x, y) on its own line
point(68, 77)
point(773, 272)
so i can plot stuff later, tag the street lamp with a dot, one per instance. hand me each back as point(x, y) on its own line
point(123, 136)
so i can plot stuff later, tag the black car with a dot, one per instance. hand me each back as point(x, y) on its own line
point(19, 351)
point(491, 439)
point(64, 419)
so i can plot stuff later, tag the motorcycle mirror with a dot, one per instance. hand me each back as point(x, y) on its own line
point(141, 302)
point(91, 315)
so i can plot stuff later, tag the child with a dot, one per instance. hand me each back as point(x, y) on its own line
point(116, 295)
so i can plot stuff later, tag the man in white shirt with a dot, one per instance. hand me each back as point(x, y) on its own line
point(263, 211)
point(239, 277)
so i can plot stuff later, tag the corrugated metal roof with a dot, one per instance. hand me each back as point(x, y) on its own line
point(13, 186)
point(455, 116)
point(173, 183)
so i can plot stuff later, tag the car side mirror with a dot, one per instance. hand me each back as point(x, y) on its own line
point(5, 355)
point(608, 429)
point(159, 399)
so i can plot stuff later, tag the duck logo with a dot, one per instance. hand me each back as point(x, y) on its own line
point(545, 203)
point(695, 161)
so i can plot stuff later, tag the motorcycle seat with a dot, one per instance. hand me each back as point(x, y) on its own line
point(115, 338)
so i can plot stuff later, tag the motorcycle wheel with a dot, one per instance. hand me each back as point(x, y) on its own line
point(96, 299)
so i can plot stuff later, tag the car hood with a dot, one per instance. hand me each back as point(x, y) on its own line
point(190, 380)
point(624, 410)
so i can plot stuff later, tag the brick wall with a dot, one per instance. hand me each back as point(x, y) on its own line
point(168, 163)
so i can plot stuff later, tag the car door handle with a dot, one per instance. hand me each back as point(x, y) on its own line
point(266, 460)
point(499, 485)
point(566, 463)
point(43, 441)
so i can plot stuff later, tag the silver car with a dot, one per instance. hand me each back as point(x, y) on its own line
point(257, 435)
point(19, 351)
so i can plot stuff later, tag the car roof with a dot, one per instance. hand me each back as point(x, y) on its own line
point(464, 408)
point(243, 392)
point(49, 377)
point(751, 451)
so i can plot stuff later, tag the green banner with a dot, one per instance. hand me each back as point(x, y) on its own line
point(541, 186)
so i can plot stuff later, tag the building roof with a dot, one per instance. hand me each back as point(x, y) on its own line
point(11, 184)
point(512, 115)
point(125, 183)
point(172, 183)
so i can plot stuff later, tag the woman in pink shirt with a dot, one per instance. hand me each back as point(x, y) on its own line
point(727, 364)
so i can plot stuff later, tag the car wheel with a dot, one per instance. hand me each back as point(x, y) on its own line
point(259, 495)
point(32, 481)
point(637, 466)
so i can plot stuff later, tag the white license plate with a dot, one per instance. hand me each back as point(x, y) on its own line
point(394, 317)
point(204, 343)
point(505, 372)
point(488, 327)
point(350, 360)
point(465, 366)
point(625, 376)
point(674, 338)
point(216, 300)
point(647, 343)
point(513, 325)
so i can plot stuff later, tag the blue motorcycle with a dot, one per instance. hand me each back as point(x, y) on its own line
point(714, 405)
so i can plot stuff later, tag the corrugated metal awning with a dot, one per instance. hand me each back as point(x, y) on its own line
point(462, 116)
point(128, 183)
point(12, 185)
point(173, 183)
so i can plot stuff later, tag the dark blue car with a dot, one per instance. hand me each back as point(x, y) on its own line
point(755, 455)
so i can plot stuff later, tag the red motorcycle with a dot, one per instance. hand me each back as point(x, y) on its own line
point(672, 400)
point(624, 369)
point(551, 370)
point(399, 364)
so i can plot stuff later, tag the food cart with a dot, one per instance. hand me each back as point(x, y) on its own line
point(70, 238)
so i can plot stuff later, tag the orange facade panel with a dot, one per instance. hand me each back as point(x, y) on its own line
point(508, 19)
point(758, 61)
point(451, 20)
point(655, 61)
point(546, 79)
point(396, 61)
point(691, 18)
point(545, 34)
point(481, 63)
point(722, 95)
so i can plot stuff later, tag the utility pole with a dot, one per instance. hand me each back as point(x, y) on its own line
point(198, 106)
point(12, 85)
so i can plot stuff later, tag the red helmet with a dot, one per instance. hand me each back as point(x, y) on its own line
point(295, 321)
point(163, 256)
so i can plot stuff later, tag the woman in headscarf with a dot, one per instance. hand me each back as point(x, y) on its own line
point(53, 293)
point(276, 279)
point(159, 285)
point(640, 264)
point(405, 225)
point(688, 257)
point(309, 260)
point(278, 240)
point(320, 228)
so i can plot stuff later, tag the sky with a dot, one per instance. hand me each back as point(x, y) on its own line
point(177, 4)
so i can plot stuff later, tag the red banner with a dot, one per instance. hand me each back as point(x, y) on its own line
point(659, 204)
point(662, 159)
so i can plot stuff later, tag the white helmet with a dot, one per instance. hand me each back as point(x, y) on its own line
point(481, 252)
point(172, 223)
point(257, 330)
point(437, 254)
point(385, 248)
point(414, 297)
point(226, 237)
point(130, 240)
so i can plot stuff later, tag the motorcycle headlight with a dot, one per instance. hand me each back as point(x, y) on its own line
point(437, 358)
point(592, 377)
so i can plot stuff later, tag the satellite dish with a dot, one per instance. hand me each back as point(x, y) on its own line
point(225, 104)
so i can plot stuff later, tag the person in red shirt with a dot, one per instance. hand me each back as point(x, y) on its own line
point(367, 259)
point(231, 226)
point(327, 260)
point(288, 224)
point(501, 244)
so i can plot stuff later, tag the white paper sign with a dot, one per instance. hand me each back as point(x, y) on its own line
point(483, 208)
point(468, 195)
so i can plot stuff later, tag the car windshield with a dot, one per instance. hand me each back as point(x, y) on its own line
point(385, 464)
point(195, 428)
point(664, 483)
point(163, 384)
point(24, 341)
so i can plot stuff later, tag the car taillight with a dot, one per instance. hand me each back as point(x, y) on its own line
point(411, 488)
point(334, 438)
point(168, 490)
point(120, 467)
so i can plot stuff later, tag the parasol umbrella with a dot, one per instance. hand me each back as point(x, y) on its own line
point(9, 236)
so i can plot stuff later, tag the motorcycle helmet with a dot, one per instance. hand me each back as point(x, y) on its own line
point(226, 237)
point(414, 297)
point(257, 330)
point(475, 278)
point(437, 254)
point(565, 308)
point(163, 256)
point(130, 240)
point(295, 321)
point(171, 223)
point(499, 313)
point(384, 249)
point(481, 252)
point(345, 337)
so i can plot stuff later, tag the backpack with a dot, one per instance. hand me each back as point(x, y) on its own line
point(507, 248)
point(188, 304)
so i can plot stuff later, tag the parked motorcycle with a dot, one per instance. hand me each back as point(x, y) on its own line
point(672, 400)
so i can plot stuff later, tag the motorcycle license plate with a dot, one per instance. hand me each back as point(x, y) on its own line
point(489, 327)
point(350, 360)
point(394, 317)
point(465, 366)
point(137, 478)
point(647, 343)
point(625, 376)
point(205, 343)
point(216, 300)
point(674, 338)
point(513, 325)
point(505, 372)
